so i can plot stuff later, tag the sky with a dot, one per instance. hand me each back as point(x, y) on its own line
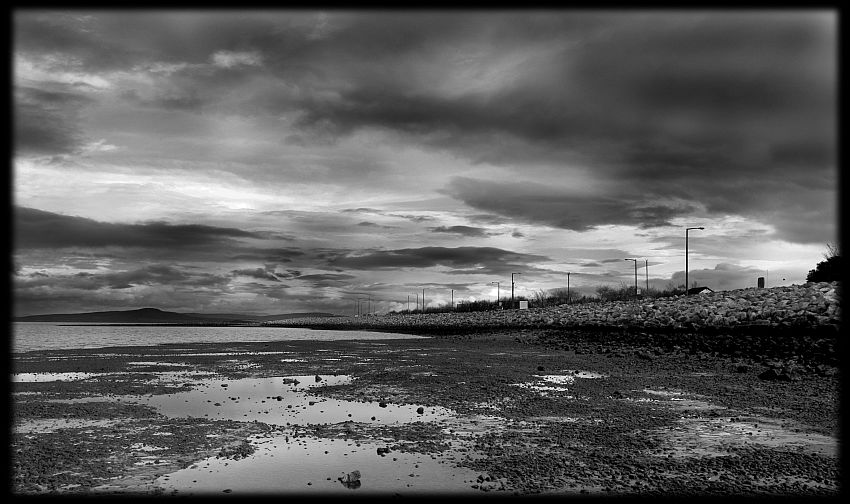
point(279, 161)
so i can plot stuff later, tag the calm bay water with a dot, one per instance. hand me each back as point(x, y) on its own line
point(28, 336)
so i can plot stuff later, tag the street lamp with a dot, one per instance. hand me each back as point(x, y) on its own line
point(512, 290)
point(646, 271)
point(497, 292)
point(686, 255)
point(568, 287)
point(635, 261)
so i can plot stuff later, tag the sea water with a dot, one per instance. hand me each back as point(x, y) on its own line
point(29, 336)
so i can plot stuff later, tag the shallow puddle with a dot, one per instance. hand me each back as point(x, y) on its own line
point(309, 464)
point(159, 364)
point(51, 377)
point(557, 382)
point(282, 401)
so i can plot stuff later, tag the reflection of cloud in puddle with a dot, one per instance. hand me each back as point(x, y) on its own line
point(51, 377)
point(309, 464)
point(145, 448)
point(681, 400)
point(559, 380)
point(159, 364)
point(281, 401)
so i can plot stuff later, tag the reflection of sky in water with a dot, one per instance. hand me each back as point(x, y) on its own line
point(557, 382)
point(51, 377)
point(159, 364)
point(29, 336)
point(283, 464)
point(251, 399)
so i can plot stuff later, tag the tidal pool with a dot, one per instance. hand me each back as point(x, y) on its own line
point(310, 464)
point(281, 401)
point(51, 377)
point(557, 382)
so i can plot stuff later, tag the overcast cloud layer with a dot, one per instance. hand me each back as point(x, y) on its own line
point(281, 161)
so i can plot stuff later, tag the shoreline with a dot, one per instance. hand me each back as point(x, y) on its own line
point(749, 408)
point(623, 433)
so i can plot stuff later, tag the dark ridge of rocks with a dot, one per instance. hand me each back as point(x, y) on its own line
point(809, 307)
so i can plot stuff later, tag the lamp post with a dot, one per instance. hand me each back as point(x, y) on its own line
point(646, 271)
point(512, 288)
point(497, 292)
point(686, 255)
point(568, 287)
point(423, 300)
point(417, 300)
point(408, 303)
point(635, 261)
point(453, 300)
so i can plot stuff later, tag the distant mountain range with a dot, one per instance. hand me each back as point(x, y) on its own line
point(157, 316)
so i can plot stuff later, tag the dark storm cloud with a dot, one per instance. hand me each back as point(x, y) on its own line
point(327, 279)
point(119, 40)
point(538, 203)
point(151, 275)
point(46, 121)
point(474, 232)
point(698, 106)
point(373, 225)
point(266, 255)
point(475, 259)
point(40, 229)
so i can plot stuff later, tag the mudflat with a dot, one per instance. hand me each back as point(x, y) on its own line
point(498, 412)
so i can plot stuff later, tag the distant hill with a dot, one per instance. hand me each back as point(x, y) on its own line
point(157, 316)
point(143, 315)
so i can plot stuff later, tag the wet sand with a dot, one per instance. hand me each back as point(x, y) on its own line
point(503, 412)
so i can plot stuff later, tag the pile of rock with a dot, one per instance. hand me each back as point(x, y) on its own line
point(809, 305)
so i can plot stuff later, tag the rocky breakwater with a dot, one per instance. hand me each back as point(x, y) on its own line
point(813, 305)
point(800, 306)
point(781, 327)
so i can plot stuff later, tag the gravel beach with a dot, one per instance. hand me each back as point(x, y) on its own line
point(543, 403)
